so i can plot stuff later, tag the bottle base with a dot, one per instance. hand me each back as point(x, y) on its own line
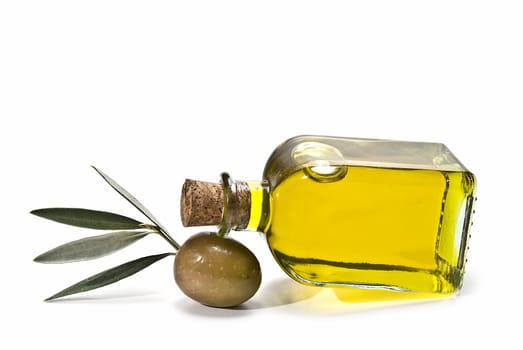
point(444, 279)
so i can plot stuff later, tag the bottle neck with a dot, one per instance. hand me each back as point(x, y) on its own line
point(246, 205)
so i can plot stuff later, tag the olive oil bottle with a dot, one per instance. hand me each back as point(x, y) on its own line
point(351, 212)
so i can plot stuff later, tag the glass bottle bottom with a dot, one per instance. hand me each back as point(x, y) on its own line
point(444, 279)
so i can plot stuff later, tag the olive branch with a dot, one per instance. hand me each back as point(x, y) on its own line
point(126, 232)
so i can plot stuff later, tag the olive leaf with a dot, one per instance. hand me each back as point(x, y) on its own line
point(131, 199)
point(110, 276)
point(95, 219)
point(91, 247)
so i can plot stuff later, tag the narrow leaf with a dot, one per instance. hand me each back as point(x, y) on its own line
point(122, 191)
point(110, 276)
point(91, 247)
point(95, 219)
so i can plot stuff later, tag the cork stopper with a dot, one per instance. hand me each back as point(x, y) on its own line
point(201, 203)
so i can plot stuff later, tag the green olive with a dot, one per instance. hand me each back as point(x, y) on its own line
point(216, 271)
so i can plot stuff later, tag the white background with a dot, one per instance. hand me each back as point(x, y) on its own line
point(153, 92)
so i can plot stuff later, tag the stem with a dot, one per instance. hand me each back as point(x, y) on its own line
point(169, 239)
point(164, 234)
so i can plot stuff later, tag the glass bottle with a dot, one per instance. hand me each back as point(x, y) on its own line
point(351, 212)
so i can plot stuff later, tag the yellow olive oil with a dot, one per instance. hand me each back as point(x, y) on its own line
point(372, 227)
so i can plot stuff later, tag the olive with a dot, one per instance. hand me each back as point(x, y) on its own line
point(216, 271)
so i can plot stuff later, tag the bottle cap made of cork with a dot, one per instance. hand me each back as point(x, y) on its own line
point(201, 203)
